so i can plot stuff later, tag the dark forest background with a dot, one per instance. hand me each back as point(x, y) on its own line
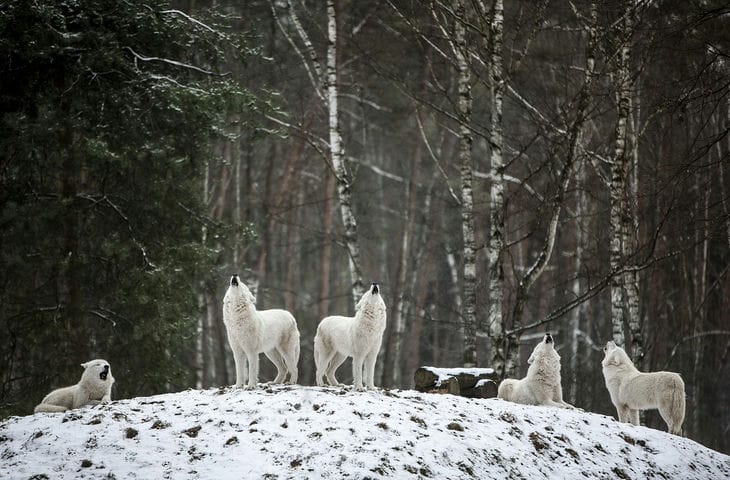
point(507, 169)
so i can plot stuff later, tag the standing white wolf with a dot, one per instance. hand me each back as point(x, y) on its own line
point(250, 332)
point(94, 387)
point(541, 386)
point(358, 337)
point(632, 390)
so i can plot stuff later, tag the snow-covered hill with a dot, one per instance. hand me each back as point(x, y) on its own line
point(280, 432)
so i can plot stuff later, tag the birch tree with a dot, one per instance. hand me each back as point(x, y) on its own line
point(326, 85)
point(469, 278)
point(337, 152)
point(624, 281)
point(495, 247)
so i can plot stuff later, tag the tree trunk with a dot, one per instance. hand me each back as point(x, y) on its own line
point(577, 314)
point(469, 277)
point(69, 283)
point(334, 13)
point(325, 254)
point(201, 331)
point(618, 187)
point(398, 315)
point(631, 231)
point(495, 247)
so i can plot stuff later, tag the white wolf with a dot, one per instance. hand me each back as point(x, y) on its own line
point(250, 332)
point(358, 337)
point(94, 387)
point(541, 386)
point(632, 390)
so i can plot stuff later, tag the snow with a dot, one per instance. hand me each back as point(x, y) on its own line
point(444, 374)
point(332, 433)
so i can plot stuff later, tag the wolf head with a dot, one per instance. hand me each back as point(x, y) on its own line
point(371, 299)
point(239, 292)
point(547, 345)
point(97, 372)
point(615, 356)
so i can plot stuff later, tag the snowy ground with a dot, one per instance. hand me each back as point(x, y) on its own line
point(279, 432)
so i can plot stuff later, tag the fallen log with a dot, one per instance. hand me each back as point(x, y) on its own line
point(466, 382)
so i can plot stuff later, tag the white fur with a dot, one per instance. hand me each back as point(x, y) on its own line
point(251, 332)
point(632, 390)
point(358, 337)
point(541, 386)
point(91, 390)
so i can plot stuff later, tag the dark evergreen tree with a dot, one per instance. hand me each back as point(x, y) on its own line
point(108, 108)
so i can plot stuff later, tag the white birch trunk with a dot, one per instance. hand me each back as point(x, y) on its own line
point(623, 189)
point(630, 232)
point(338, 157)
point(495, 247)
point(469, 279)
point(618, 187)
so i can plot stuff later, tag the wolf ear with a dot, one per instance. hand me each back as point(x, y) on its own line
point(531, 359)
point(85, 365)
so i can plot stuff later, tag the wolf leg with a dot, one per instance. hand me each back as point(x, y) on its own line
point(278, 361)
point(334, 363)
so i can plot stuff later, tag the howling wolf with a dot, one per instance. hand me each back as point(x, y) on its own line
point(358, 337)
point(541, 386)
point(94, 387)
point(250, 332)
point(632, 390)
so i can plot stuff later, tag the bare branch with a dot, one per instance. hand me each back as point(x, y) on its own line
point(314, 77)
point(435, 158)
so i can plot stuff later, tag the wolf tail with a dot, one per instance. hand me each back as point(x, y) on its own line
point(676, 405)
point(505, 389)
point(47, 407)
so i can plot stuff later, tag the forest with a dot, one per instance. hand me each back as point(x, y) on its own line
point(501, 169)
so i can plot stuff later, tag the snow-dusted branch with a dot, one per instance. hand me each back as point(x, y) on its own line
point(193, 20)
point(144, 58)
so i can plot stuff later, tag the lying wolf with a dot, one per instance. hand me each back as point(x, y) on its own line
point(541, 386)
point(632, 390)
point(94, 387)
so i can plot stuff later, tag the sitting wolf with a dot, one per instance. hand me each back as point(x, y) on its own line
point(94, 387)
